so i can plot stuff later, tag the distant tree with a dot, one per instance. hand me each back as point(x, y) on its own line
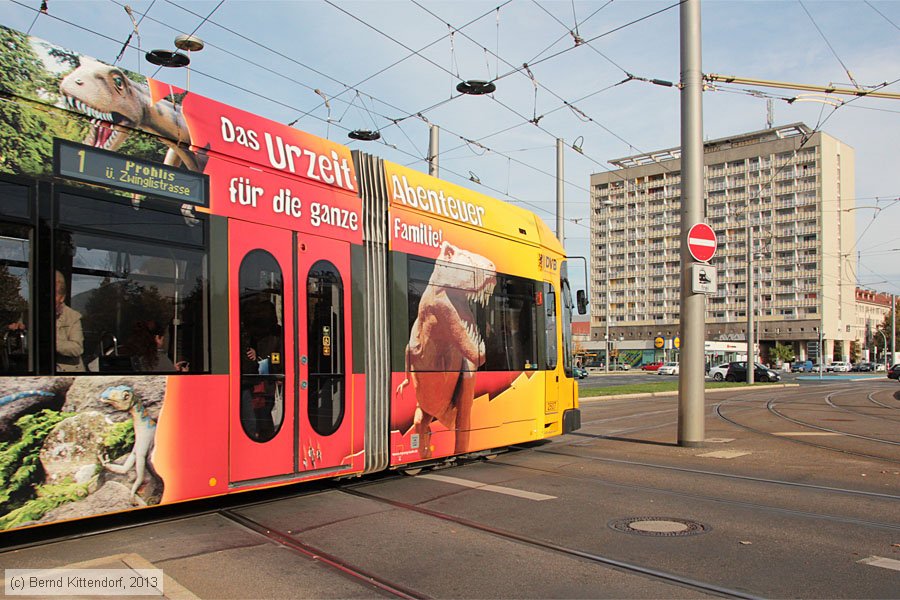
point(783, 352)
point(885, 328)
point(12, 304)
point(855, 351)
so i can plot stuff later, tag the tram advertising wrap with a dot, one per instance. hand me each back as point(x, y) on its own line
point(196, 300)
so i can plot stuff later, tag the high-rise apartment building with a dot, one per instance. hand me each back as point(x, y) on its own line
point(794, 188)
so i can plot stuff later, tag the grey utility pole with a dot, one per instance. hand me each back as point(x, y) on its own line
point(560, 216)
point(751, 351)
point(433, 133)
point(691, 393)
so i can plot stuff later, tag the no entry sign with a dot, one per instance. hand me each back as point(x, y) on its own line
point(702, 242)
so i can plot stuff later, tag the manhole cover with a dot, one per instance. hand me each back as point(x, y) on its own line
point(659, 526)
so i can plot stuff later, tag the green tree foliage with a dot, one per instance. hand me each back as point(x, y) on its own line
point(24, 147)
point(115, 306)
point(119, 439)
point(12, 304)
point(885, 327)
point(46, 498)
point(20, 465)
point(29, 120)
point(783, 352)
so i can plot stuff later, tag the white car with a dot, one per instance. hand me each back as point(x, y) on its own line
point(670, 368)
point(839, 366)
point(718, 372)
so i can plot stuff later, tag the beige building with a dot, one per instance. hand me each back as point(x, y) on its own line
point(794, 187)
point(871, 309)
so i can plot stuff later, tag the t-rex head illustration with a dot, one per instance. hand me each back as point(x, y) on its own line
point(120, 397)
point(109, 97)
point(117, 105)
point(446, 321)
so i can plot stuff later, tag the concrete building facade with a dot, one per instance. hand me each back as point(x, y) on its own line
point(793, 187)
point(871, 310)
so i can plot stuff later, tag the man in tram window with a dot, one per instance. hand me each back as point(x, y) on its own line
point(69, 336)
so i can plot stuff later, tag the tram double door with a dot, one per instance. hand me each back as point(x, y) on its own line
point(290, 409)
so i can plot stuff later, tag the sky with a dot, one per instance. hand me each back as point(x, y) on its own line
point(330, 67)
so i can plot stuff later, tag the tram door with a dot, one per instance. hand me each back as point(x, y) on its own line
point(551, 324)
point(290, 411)
point(330, 425)
point(262, 411)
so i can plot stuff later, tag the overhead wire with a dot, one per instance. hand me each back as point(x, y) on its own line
point(597, 37)
point(882, 14)
point(212, 77)
point(828, 43)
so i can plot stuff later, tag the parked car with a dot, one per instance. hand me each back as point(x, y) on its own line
point(803, 366)
point(579, 372)
point(894, 372)
point(737, 371)
point(654, 366)
point(669, 368)
point(718, 372)
point(620, 367)
point(839, 366)
point(863, 367)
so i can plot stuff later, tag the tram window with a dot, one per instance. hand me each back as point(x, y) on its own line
point(567, 308)
point(325, 339)
point(507, 324)
point(15, 298)
point(456, 297)
point(511, 342)
point(261, 345)
point(142, 297)
point(550, 324)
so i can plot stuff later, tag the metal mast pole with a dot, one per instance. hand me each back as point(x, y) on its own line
point(751, 350)
point(606, 294)
point(893, 328)
point(691, 393)
point(559, 192)
point(433, 134)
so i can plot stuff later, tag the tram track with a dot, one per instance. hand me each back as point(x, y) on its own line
point(655, 574)
point(355, 573)
point(635, 463)
point(719, 412)
point(770, 406)
point(715, 499)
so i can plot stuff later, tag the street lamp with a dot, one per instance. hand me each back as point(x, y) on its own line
point(886, 365)
point(606, 204)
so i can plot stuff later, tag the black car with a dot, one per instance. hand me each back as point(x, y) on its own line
point(737, 371)
point(894, 372)
point(863, 367)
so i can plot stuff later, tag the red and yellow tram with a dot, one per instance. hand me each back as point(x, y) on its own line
point(195, 300)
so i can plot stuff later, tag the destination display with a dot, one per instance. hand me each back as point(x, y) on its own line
point(86, 163)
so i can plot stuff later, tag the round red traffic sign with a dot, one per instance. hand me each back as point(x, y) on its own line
point(702, 242)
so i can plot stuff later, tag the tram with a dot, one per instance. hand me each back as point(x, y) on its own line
point(196, 301)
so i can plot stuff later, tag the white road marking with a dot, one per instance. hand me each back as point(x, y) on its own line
point(723, 454)
point(799, 433)
point(489, 488)
point(884, 563)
